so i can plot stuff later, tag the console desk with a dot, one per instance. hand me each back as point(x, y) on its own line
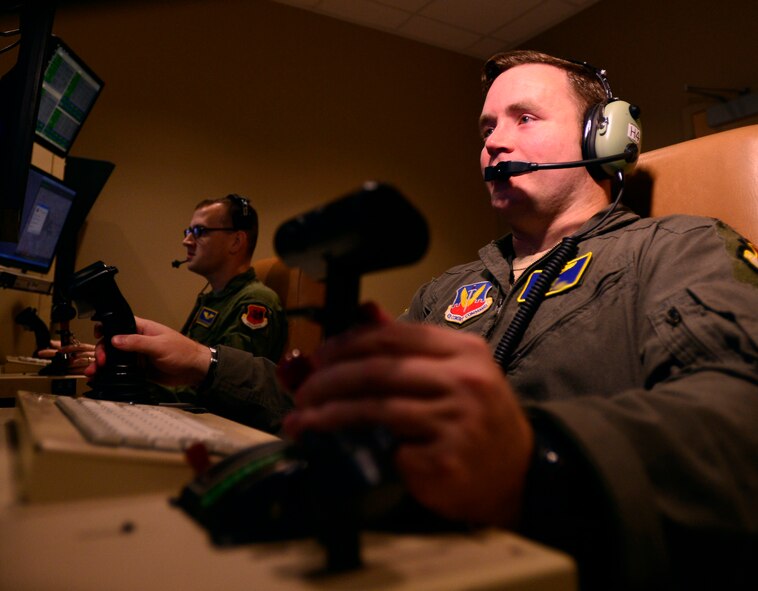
point(140, 541)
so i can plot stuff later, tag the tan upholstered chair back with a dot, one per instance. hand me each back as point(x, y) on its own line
point(714, 176)
point(296, 291)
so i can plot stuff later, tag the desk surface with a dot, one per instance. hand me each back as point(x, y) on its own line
point(142, 542)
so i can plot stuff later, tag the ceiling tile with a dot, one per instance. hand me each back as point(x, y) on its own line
point(472, 27)
point(536, 20)
point(482, 16)
point(437, 33)
point(365, 12)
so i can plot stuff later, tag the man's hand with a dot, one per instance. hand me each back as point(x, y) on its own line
point(464, 444)
point(172, 358)
point(79, 355)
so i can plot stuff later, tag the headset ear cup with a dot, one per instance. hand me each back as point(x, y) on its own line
point(620, 127)
point(592, 124)
point(609, 128)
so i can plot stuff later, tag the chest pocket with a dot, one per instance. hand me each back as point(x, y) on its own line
point(580, 321)
point(695, 326)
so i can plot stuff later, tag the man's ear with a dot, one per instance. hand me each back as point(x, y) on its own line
point(239, 242)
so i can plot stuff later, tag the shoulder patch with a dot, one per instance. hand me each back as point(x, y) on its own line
point(470, 301)
point(206, 316)
point(255, 317)
point(569, 277)
point(748, 253)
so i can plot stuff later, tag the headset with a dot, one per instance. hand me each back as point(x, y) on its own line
point(611, 127)
point(611, 139)
point(244, 216)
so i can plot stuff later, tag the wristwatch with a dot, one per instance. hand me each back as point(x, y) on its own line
point(211, 375)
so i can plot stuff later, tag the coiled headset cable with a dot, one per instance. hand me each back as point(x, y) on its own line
point(562, 254)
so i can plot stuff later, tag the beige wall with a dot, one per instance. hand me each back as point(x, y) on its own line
point(288, 108)
point(652, 49)
point(207, 97)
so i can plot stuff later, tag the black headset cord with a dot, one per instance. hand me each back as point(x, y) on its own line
point(565, 250)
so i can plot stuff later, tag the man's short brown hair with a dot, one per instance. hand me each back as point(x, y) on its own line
point(583, 78)
point(242, 216)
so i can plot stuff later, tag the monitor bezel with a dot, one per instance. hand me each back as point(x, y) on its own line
point(25, 264)
point(54, 43)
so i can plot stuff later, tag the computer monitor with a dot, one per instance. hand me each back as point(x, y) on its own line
point(69, 90)
point(19, 103)
point(46, 207)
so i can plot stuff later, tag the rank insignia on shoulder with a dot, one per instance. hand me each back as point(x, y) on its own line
point(748, 253)
point(569, 277)
point(255, 317)
point(206, 317)
point(470, 300)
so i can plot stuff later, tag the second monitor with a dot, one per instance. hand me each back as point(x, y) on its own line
point(47, 203)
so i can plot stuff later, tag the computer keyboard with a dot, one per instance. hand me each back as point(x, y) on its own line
point(143, 426)
point(26, 359)
point(23, 364)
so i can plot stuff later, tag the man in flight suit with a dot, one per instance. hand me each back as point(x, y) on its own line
point(620, 423)
point(238, 310)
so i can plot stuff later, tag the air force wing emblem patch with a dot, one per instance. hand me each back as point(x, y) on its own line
point(568, 278)
point(205, 317)
point(470, 300)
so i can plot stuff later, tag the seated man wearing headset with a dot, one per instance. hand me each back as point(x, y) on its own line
point(610, 412)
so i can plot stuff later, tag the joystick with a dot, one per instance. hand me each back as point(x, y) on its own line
point(29, 319)
point(97, 296)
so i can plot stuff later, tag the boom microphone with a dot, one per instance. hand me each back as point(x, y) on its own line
point(505, 170)
point(176, 263)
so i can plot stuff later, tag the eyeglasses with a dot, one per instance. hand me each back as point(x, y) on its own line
point(198, 231)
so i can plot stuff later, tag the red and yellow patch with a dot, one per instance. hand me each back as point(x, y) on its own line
point(256, 317)
point(470, 301)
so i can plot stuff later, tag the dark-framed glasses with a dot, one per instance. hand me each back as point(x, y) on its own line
point(198, 231)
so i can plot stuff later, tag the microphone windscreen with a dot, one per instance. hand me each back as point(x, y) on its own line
point(505, 170)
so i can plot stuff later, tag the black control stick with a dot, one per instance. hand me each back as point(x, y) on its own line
point(350, 475)
point(97, 296)
point(29, 319)
point(372, 229)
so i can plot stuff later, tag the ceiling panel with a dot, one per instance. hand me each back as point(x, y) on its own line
point(477, 28)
